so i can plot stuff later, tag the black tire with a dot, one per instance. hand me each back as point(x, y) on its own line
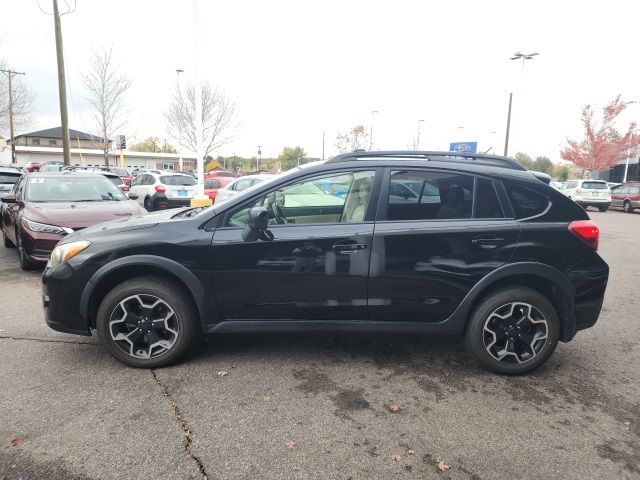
point(25, 263)
point(474, 338)
point(7, 243)
point(603, 208)
point(627, 206)
point(173, 295)
point(148, 204)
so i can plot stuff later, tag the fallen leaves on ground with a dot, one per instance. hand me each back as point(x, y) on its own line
point(411, 451)
point(395, 457)
point(16, 441)
point(223, 373)
point(393, 407)
point(627, 423)
point(442, 466)
point(290, 444)
point(267, 398)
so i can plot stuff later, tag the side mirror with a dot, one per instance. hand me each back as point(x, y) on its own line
point(132, 195)
point(8, 198)
point(257, 226)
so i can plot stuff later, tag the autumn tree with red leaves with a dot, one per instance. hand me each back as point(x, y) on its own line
point(602, 145)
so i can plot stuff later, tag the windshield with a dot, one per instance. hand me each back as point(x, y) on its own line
point(115, 180)
point(177, 180)
point(72, 189)
point(9, 178)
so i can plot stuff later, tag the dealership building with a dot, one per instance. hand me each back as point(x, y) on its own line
point(86, 151)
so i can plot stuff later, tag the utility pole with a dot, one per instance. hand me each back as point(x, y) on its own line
point(418, 137)
point(10, 74)
point(62, 86)
point(373, 112)
point(506, 137)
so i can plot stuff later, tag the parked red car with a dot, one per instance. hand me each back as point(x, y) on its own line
point(211, 186)
point(626, 196)
point(123, 173)
point(45, 207)
point(219, 174)
point(33, 166)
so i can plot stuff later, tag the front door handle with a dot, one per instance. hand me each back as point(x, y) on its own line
point(348, 248)
point(487, 243)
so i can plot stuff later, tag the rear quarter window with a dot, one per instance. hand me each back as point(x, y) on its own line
point(526, 202)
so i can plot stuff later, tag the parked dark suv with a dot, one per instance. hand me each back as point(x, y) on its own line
point(416, 242)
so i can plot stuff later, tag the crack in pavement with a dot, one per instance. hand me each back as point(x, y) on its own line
point(188, 442)
point(45, 340)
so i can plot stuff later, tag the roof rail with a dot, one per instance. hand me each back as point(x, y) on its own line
point(494, 160)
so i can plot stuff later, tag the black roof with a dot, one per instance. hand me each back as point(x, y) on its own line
point(463, 157)
point(56, 132)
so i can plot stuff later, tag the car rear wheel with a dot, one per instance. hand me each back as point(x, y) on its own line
point(148, 204)
point(147, 322)
point(512, 331)
point(627, 206)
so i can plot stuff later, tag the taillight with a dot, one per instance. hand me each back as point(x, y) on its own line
point(160, 189)
point(587, 230)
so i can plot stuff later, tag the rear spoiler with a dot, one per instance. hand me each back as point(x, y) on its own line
point(543, 177)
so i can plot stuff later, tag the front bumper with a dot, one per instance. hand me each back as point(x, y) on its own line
point(38, 246)
point(61, 292)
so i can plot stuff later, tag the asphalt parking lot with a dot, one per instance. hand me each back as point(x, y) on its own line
point(323, 406)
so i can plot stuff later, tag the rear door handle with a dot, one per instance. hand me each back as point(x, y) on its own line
point(487, 243)
point(348, 248)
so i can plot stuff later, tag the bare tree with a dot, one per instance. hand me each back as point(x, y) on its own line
point(23, 99)
point(218, 117)
point(355, 139)
point(106, 87)
point(414, 144)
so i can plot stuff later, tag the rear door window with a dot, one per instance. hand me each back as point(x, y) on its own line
point(486, 203)
point(526, 202)
point(423, 195)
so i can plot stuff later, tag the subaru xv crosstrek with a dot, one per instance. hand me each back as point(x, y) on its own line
point(420, 243)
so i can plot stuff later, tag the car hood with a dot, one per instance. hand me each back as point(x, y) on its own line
point(125, 224)
point(81, 214)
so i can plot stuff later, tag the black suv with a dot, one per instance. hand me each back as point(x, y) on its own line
point(415, 242)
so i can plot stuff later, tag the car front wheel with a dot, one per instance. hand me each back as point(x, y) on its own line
point(147, 322)
point(512, 331)
point(627, 207)
point(148, 204)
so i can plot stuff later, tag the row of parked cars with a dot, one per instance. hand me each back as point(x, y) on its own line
point(602, 195)
point(41, 207)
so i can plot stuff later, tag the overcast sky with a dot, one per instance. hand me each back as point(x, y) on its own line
point(296, 68)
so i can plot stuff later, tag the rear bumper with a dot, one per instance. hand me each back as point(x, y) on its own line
point(161, 202)
point(589, 277)
point(594, 202)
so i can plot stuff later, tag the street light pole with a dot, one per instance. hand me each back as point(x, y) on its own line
point(523, 57)
point(371, 130)
point(259, 158)
point(418, 137)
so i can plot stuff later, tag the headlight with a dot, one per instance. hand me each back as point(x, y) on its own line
point(64, 252)
point(44, 228)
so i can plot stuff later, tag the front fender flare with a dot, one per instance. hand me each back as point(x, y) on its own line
point(171, 266)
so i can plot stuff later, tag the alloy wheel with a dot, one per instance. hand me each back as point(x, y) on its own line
point(515, 333)
point(144, 326)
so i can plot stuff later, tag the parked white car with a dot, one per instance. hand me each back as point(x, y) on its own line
point(241, 183)
point(158, 190)
point(589, 193)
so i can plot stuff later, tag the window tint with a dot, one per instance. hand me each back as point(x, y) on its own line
point(212, 184)
point(178, 180)
point(486, 203)
point(526, 203)
point(9, 178)
point(148, 180)
point(306, 202)
point(417, 195)
point(571, 185)
point(594, 185)
point(634, 190)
